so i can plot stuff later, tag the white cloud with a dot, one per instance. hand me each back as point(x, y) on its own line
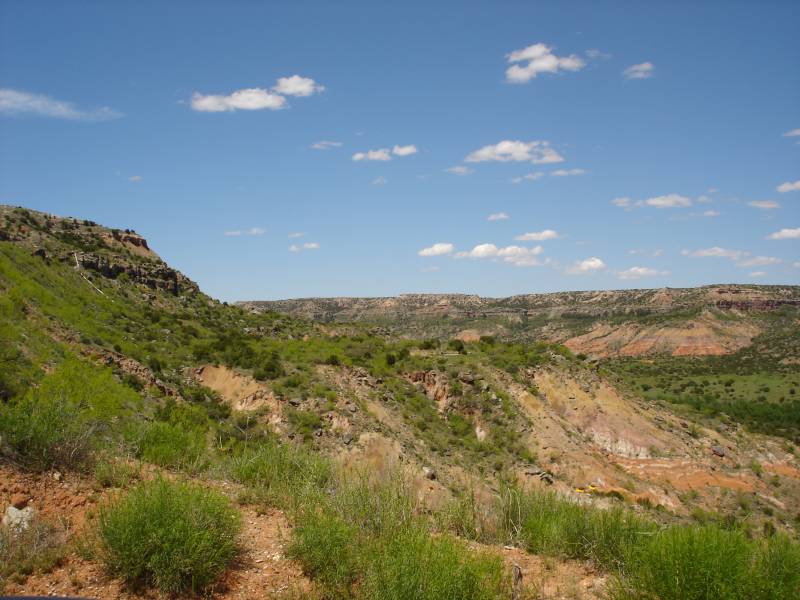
point(380, 180)
point(764, 204)
point(326, 145)
point(568, 172)
point(711, 213)
point(430, 269)
point(537, 236)
point(18, 103)
point(247, 99)
point(785, 234)
point(640, 272)
point(384, 154)
point(380, 154)
point(594, 53)
point(796, 265)
point(501, 216)
point(656, 252)
point(668, 201)
point(519, 256)
point(460, 170)
point(135, 178)
point(789, 186)
point(528, 177)
point(704, 199)
point(306, 246)
point(641, 71)
point(715, 252)
point(623, 202)
point(589, 265)
point(527, 63)
point(438, 249)
point(758, 274)
point(535, 151)
point(240, 232)
point(404, 150)
point(792, 133)
point(759, 261)
point(298, 86)
point(297, 234)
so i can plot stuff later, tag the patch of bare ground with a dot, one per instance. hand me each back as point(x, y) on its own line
point(241, 391)
point(550, 578)
point(598, 442)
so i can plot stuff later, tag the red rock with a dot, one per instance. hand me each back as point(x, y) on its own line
point(19, 501)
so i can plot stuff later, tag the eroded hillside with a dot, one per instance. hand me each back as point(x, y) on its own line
point(353, 438)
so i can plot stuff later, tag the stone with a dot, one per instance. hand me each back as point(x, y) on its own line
point(429, 473)
point(18, 519)
point(718, 450)
point(19, 501)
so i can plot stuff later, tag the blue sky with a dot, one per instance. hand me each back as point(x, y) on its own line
point(614, 144)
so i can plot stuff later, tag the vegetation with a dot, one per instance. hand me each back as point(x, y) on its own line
point(37, 548)
point(176, 536)
point(59, 408)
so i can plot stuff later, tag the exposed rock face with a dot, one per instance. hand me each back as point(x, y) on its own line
point(154, 275)
point(435, 385)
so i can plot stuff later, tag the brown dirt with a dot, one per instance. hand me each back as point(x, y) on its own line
point(241, 391)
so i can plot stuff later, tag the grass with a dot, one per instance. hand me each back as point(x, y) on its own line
point(37, 549)
point(175, 536)
point(699, 562)
point(385, 549)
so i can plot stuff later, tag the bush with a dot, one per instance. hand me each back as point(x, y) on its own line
point(171, 446)
point(277, 471)
point(61, 422)
point(383, 543)
point(414, 564)
point(544, 523)
point(174, 536)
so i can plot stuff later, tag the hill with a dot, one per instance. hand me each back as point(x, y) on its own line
point(372, 431)
point(709, 320)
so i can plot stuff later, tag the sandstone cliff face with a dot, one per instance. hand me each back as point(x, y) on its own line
point(153, 275)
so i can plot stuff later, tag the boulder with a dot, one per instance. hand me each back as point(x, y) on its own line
point(718, 450)
point(18, 519)
point(429, 473)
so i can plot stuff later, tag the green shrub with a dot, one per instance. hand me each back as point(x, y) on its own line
point(414, 564)
point(177, 537)
point(277, 471)
point(317, 537)
point(114, 473)
point(383, 545)
point(171, 446)
point(544, 523)
point(63, 420)
point(686, 563)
